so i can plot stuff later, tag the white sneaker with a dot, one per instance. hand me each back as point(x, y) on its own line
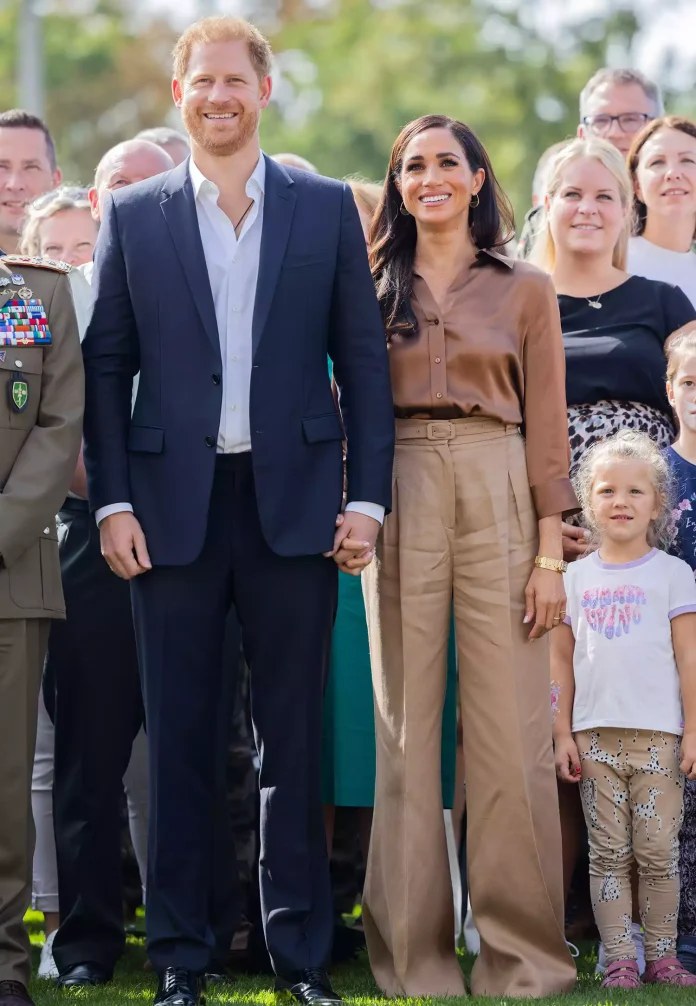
point(639, 941)
point(47, 966)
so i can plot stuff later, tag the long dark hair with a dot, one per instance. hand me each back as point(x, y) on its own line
point(393, 235)
point(640, 210)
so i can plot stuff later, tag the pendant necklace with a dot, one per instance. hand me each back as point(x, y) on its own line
point(594, 303)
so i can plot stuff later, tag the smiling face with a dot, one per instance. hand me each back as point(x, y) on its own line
point(586, 215)
point(681, 391)
point(221, 97)
point(435, 181)
point(25, 173)
point(623, 500)
point(69, 236)
point(666, 174)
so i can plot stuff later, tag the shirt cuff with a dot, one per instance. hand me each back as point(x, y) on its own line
point(684, 610)
point(551, 498)
point(106, 511)
point(373, 510)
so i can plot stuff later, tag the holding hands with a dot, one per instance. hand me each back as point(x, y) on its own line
point(354, 542)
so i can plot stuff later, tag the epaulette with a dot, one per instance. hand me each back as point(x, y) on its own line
point(37, 262)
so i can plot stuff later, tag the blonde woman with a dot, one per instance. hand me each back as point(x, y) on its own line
point(614, 325)
point(59, 225)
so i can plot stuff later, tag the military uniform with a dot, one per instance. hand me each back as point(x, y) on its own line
point(41, 406)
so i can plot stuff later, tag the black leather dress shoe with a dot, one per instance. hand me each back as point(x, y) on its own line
point(14, 994)
point(83, 975)
point(179, 987)
point(311, 988)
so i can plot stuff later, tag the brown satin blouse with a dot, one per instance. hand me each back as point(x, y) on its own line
point(495, 349)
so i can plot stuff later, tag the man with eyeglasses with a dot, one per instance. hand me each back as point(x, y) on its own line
point(616, 104)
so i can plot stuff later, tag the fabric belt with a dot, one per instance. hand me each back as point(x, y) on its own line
point(471, 427)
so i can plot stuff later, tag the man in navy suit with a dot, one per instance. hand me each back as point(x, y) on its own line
point(226, 283)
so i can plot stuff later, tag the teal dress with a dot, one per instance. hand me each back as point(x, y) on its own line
point(348, 755)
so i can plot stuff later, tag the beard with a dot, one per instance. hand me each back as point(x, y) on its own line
point(200, 131)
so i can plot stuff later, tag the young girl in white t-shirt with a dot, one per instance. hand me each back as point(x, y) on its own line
point(624, 663)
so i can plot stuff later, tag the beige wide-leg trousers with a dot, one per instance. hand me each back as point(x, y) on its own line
point(463, 528)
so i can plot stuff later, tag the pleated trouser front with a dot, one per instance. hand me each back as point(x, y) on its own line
point(463, 530)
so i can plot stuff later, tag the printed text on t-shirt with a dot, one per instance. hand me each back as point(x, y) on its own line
point(612, 612)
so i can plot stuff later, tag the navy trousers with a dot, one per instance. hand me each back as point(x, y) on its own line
point(92, 691)
point(286, 608)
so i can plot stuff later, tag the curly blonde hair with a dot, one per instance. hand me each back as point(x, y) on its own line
point(628, 445)
point(65, 197)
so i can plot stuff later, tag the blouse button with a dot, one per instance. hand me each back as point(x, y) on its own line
point(437, 359)
point(439, 394)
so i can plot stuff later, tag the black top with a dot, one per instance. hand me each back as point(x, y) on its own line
point(616, 352)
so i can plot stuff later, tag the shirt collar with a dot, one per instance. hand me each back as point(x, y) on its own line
point(255, 186)
point(498, 256)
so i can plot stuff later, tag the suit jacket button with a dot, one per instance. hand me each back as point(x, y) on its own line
point(216, 378)
point(210, 441)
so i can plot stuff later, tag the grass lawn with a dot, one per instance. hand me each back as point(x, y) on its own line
point(133, 985)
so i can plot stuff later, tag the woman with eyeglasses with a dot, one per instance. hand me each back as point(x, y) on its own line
point(662, 163)
point(59, 225)
point(476, 353)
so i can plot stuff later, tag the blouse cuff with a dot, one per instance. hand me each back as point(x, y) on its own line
point(551, 498)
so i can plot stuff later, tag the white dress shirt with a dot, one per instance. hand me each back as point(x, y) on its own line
point(233, 270)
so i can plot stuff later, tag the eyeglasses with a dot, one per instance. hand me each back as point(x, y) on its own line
point(629, 122)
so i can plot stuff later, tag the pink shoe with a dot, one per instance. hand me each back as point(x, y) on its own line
point(621, 975)
point(668, 971)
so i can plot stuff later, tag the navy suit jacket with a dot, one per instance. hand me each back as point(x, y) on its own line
point(153, 313)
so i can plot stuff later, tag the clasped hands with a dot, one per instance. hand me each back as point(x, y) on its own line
point(354, 542)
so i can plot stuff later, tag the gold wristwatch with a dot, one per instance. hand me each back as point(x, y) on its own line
point(556, 565)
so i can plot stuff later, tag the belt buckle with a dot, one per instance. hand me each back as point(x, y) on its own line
point(435, 430)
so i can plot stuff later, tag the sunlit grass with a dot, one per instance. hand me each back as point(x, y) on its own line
point(132, 984)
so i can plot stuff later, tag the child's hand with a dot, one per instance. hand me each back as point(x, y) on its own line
point(688, 755)
point(568, 767)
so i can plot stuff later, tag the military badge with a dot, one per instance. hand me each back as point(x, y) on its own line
point(18, 392)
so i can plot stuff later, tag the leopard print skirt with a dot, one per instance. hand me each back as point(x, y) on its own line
point(590, 424)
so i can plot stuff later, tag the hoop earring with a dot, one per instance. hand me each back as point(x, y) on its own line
point(472, 204)
point(403, 211)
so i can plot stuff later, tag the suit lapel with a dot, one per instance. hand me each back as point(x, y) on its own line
point(278, 210)
point(179, 209)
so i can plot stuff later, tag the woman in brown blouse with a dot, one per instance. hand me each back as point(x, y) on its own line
point(476, 356)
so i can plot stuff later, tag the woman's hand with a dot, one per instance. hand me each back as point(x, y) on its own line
point(576, 542)
point(567, 756)
point(545, 598)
